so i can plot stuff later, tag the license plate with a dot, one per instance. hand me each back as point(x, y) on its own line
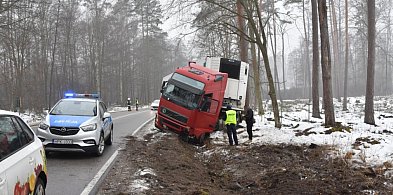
point(62, 141)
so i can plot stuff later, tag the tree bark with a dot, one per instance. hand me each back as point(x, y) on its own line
point(336, 64)
point(315, 61)
point(257, 79)
point(346, 58)
point(326, 65)
point(369, 105)
point(307, 53)
point(242, 43)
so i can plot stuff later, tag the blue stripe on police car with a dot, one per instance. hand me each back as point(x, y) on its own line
point(67, 121)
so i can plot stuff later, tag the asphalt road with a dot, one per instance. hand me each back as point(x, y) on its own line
point(69, 173)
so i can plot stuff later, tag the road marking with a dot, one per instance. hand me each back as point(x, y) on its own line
point(100, 173)
point(140, 127)
point(93, 183)
point(119, 117)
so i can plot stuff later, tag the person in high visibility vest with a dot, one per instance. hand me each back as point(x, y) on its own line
point(230, 122)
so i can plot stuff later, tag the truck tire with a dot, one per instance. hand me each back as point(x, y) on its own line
point(202, 139)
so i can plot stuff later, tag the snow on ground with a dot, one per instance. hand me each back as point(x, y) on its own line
point(365, 145)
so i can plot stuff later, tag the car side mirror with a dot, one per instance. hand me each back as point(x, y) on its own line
point(106, 115)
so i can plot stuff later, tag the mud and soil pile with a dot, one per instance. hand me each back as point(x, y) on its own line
point(155, 162)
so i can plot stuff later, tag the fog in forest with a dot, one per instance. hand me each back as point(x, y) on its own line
point(120, 50)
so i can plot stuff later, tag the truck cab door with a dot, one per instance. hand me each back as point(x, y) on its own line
point(208, 113)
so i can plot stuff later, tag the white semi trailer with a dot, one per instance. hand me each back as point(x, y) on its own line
point(235, 92)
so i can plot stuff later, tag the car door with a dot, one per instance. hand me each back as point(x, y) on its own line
point(3, 181)
point(20, 160)
point(105, 121)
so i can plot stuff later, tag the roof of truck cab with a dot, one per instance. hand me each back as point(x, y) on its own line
point(208, 73)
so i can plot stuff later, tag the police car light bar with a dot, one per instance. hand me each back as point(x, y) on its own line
point(80, 95)
point(69, 95)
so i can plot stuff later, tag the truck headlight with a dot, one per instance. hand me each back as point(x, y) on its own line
point(43, 126)
point(90, 127)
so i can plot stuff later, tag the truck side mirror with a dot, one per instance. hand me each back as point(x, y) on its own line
point(163, 84)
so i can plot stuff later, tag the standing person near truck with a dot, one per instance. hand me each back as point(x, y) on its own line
point(250, 122)
point(230, 122)
point(136, 104)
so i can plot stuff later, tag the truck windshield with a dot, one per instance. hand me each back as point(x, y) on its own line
point(189, 81)
point(181, 96)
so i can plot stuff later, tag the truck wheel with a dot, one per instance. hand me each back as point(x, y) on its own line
point(99, 150)
point(202, 139)
point(109, 140)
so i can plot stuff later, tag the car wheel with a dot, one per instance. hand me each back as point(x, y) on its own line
point(39, 187)
point(109, 140)
point(99, 150)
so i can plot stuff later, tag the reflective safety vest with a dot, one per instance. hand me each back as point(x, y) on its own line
point(231, 117)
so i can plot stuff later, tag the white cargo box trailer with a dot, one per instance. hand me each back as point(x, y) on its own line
point(235, 92)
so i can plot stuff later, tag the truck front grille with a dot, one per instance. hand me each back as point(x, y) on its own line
point(64, 130)
point(173, 115)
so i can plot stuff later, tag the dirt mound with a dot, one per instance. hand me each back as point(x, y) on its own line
point(160, 163)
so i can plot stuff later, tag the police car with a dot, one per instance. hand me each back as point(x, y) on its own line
point(22, 157)
point(78, 122)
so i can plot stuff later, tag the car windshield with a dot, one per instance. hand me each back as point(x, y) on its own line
point(75, 108)
point(181, 96)
point(156, 101)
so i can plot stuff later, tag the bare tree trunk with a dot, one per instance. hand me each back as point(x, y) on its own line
point(326, 65)
point(307, 53)
point(346, 58)
point(369, 105)
point(242, 43)
point(258, 88)
point(336, 64)
point(315, 61)
point(262, 44)
point(53, 58)
point(387, 54)
point(283, 63)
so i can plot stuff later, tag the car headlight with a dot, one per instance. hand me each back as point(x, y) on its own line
point(90, 127)
point(43, 126)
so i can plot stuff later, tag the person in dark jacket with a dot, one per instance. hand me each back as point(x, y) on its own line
point(129, 104)
point(250, 122)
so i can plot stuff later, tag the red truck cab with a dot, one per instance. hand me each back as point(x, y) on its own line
point(191, 102)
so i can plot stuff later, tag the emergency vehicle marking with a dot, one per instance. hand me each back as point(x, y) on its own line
point(67, 121)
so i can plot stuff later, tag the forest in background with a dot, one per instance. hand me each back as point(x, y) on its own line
point(118, 48)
